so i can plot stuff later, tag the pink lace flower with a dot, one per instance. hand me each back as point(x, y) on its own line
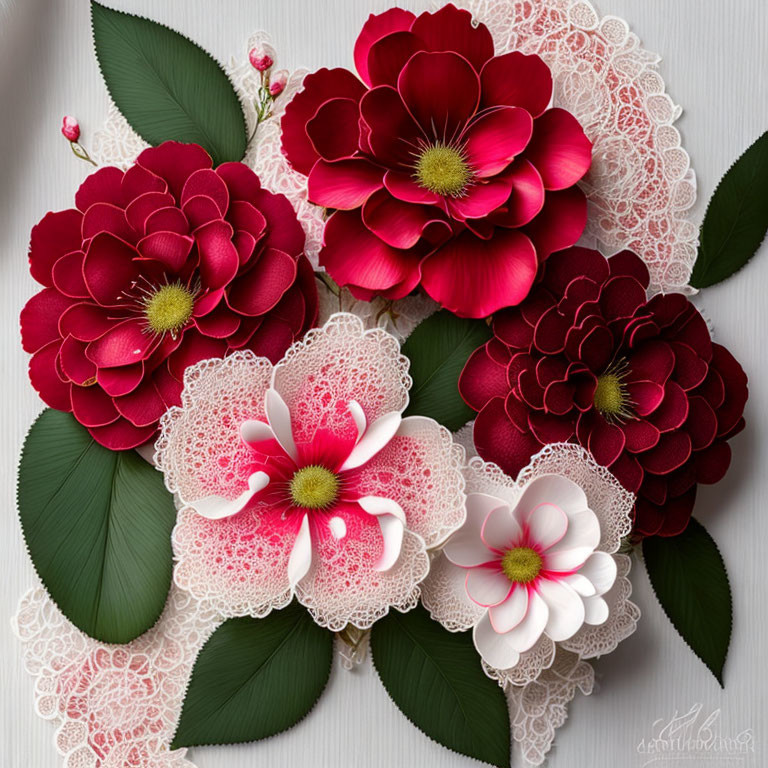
point(305, 479)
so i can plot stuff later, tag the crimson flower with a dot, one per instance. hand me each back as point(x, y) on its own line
point(638, 382)
point(156, 268)
point(442, 163)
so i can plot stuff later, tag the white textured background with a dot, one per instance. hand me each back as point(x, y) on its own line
point(716, 66)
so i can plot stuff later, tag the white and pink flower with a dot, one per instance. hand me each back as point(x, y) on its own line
point(304, 478)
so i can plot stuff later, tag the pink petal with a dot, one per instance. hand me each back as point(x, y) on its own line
point(376, 27)
point(85, 321)
point(559, 149)
point(260, 289)
point(398, 224)
point(495, 138)
point(246, 219)
point(466, 547)
point(241, 181)
point(218, 256)
point(74, 364)
point(560, 223)
point(169, 219)
point(388, 56)
point(441, 91)
point(194, 348)
point(200, 210)
point(526, 198)
point(124, 344)
point(501, 531)
point(120, 381)
point(283, 229)
point(517, 80)
point(121, 435)
point(334, 130)
point(404, 187)
point(480, 199)
point(220, 324)
point(344, 184)
point(393, 133)
point(474, 278)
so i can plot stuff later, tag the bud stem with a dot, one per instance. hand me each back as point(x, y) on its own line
point(81, 152)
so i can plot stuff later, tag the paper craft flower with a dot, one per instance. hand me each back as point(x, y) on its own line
point(445, 166)
point(535, 565)
point(304, 478)
point(157, 267)
point(637, 382)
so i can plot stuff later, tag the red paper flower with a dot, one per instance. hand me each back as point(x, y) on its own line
point(444, 166)
point(156, 268)
point(637, 382)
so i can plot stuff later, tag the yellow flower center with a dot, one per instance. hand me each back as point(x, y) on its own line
point(314, 487)
point(521, 564)
point(611, 396)
point(168, 308)
point(443, 170)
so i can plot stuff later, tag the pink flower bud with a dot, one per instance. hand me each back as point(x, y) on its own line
point(70, 128)
point(260, 58)
point(277, 83)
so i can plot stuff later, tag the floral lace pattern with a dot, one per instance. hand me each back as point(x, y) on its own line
point(641, 186)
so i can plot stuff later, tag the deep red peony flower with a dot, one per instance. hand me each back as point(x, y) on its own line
point(156, 268)
point(637, 382)
point(444, 165)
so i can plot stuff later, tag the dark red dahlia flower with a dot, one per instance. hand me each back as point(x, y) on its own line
point(444, 166)
point(638, 382)
point(156, 268)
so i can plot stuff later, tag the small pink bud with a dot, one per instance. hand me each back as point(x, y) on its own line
point(260, 59)
point(70, 128)
point(278, 81)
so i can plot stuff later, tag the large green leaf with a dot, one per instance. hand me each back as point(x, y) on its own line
point(436, 679)
point(166, 86)
point(98, 527)
point(736, 219)
point(438, 349)
point(690, 581)
point(255, 678)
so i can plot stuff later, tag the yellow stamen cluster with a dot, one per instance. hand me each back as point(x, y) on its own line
point(168, 308)
point(314, 487)
point(442, 169)
point(611, 396)
point(521, 564)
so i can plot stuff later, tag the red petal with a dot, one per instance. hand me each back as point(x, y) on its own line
point(550, 332)
point(399, 224)
point(138, 181)
point(194, 348)
point(596, 349)
point(245, 217)
point(271, 339)
point(388, 56)
point(560, 223)
point(475, 278)
point(55, 235)
point(652, 361)
point(452, 29)
point(92, 407)
point(124, 344)
point(671, 452)
point(169, 248)
point(495, 138)
point(40, 319)
point(559, 149)
point(334, 130)
point(640, 435)
point(207, 183)
point(143, 406)
point(548, 428)
point(405, 188)
point(497, 440)
point(712, 463)
point(527, 196)
point(559, 397)
point(105, 217)
point(102, 186)
point(241, 181)
point(220, 324)
point(283, 229)
point(627, 470)
point(218, 256)
point(85, 322)
point(259, 289)
point(441, 91)
point(74, 364)
point(690, 369)
point(121, 435)
point(139, 209)
point(120, 381)
point(511, 327)
point(175, 163)
point(701, 423)
point(673, 411)
point(517, 80)
point(646, 396)
point(68, 276)
point(109, 269)
point(353, 255)
point(566, 266)
point(482, 379)
point(677, 513)
point(318, 88)
point(201, 210)
point(345, 184)
point(45, 379)
point(168, 387)
point(606, 441)
point(480, 199)
point(393, 132)
point(691, 329)
point(620, 297)
point(736, 393)
point(169, 219)
point(665, 308)
point(630, 264)
point(376, 27)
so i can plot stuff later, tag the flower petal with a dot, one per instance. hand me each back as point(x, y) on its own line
point(559, 149)
point(300, 560)
point(261, 288)
point(495, 138)
point(560, 223)
point(109, 268)
point(495, 649)
point(487, 585)
point(547, 525)
point(507, 615)
point(501, 530)
point(254, 431)
point(343, 184)
point(334, 130)
point(53, 236)
point(529, 630)
point(399, 224)
point(217, 507)
point(378, 434)
point(392, 530)
point(600, 569)
point(517, 80)
point(124, 344)
point(375, 28)
point(393, 132)
point(466, 548)
point(595, 610)
point(566, 609)
point(219, 260)
point(279, 419)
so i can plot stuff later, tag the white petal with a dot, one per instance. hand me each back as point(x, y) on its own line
point(500, 530)
point(392, 532)
point(511, 612)
point(580, 584)
point(566, 609)
point(595, 610)
point(465, 547)
point(493, 647)
point(253, 431)
point(301, 554)
point(379, 505)
point(338, 527)
point(567, 559)
point(600, 569)
point(279, 418)
point(580, 540)
point(358, 415)
point(487, 585)
point(547, 524)
point(217, 507)
point(552, 489)
point(529, 630)
point(375, 438)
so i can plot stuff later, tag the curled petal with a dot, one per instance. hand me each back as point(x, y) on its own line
point(378, 434)
point(559, 149)
point(300, 560)
point(517, 80)
point(495, 138)
point(375, 28)
point(494, 648)
point(399, 224)
point(217, 508)
point(279, 419)
point(334, 130)
point(344, 184)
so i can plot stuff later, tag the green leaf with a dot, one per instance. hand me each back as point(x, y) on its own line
point(255, 678)
point(166, 86)
point(689, 578)
point(436, 679)
point(736, 219)
point(438, 349)
point(98, 527)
